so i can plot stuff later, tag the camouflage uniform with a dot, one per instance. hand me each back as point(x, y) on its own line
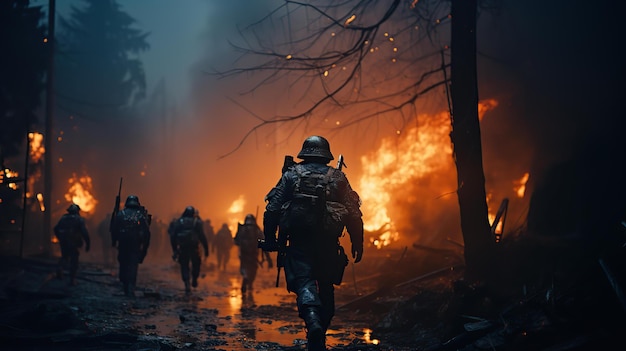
point(310, 206)
point(71, 231)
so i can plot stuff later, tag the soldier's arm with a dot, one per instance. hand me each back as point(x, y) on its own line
point(275, 199)
point(202, 238)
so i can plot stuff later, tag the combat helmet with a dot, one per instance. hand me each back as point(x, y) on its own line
point(73, 209)
point(316, 146)
point(189, 212)
point(250, 219)
point(132, 201)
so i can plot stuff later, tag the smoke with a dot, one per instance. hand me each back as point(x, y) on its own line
point(552, 77)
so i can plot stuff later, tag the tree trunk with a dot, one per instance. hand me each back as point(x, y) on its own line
point(465, 136)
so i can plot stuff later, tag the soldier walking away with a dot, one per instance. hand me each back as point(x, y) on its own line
point(223, 243)
point(130, 234)
point(310, 206)
point(71, 232)
point(247, 239)
point(186, 234)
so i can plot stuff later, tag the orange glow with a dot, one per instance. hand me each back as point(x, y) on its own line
point(235, 213)
point(40, 201)
point(37, 149)
point(520, 185)
point(7, 174)
point(349, 20)
point(79, 192)
point(401, 160)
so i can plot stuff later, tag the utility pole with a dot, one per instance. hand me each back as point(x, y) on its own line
point(47, 198)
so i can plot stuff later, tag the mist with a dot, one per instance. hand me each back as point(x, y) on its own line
point(553, 79)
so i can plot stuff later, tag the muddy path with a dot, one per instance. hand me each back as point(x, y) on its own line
point(41, 312)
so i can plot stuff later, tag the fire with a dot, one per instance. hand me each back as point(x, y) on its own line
point(415, 154)
point(79, 192)
point(235, 212)
point(37, 149)
point(520, 185)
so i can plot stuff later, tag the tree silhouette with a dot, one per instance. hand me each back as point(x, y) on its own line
point(21, 73)
point(99, 74)
point(378, 59)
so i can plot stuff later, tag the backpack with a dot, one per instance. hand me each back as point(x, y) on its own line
point(311, 206)
point(68, 230)
point(186, 235)
point(130, 223)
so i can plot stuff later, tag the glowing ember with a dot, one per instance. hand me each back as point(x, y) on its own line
point(37, 149)
point(5, 176)
point(79, 193)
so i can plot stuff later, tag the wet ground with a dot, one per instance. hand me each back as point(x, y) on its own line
point(41, 312)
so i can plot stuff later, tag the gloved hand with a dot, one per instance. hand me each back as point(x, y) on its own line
point(357, 252)
point(268, 245)
point(175, 256)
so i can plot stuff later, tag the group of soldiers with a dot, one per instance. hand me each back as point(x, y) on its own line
point(306, 213)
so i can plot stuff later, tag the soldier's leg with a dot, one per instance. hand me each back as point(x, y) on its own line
point(195, 269)
point(299, 278)
point(73, 266)
point(327, 296)
point(184, 261)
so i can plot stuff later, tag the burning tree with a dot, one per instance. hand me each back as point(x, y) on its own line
point(378, 59)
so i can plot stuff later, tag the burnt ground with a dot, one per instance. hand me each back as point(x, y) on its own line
point(549, 296)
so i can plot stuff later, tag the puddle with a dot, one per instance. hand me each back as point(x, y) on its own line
point(217, 309)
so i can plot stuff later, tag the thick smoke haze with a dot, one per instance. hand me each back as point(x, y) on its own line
point(552, 67)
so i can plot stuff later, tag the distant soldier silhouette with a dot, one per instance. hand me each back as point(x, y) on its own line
point(223, 244)
point(71, 232)
point(186, 235)
point(247, 239)
point(131, 235)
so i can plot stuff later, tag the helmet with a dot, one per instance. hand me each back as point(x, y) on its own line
point(316, 146)
point(73, 209)
point(132, 201)
point(250, 219)
point(189, 211)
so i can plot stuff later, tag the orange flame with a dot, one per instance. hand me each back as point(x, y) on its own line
point(415, 154)
point(520, 185)
point(235, 213)
point(79, 192)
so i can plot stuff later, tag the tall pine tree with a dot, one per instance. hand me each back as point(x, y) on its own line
point(100, 75)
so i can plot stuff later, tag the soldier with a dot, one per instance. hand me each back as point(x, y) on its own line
point(186, 234)
point(310, 206)
point(223, 243)
point(210, 234)
point(130, 234)
point(247, 238)
point(71, 231)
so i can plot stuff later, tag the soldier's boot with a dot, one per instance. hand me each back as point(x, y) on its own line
point(187, 288)
point(244, 285)
point(194, 282)
point(316, 338)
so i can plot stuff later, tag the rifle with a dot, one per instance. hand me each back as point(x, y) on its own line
point(116, 208)
point(340, 163)
point(282, 236)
